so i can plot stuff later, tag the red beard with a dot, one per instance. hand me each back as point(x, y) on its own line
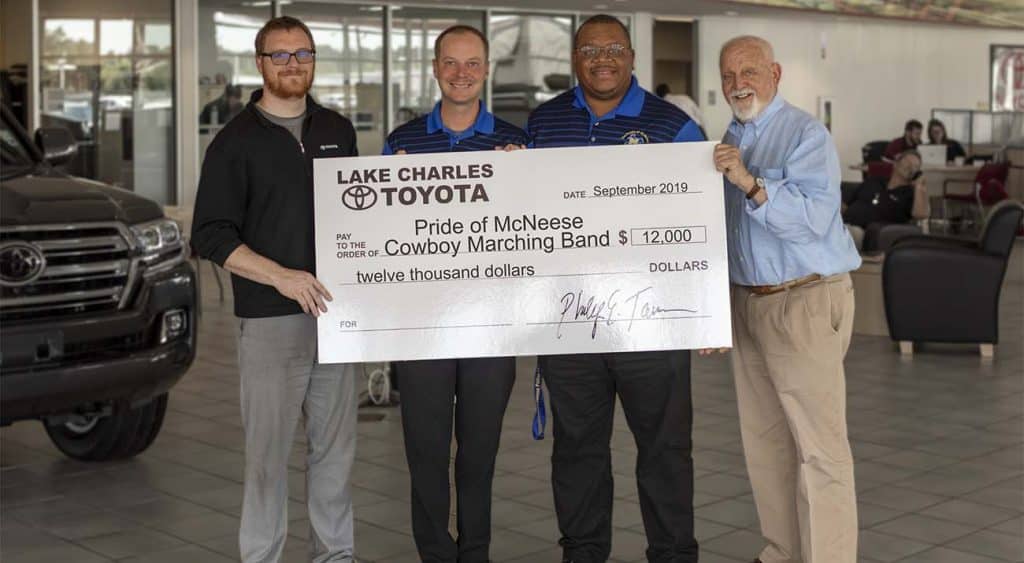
point(290, 86)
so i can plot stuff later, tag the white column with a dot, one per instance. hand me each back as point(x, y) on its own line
point(387, 123)
point(33, 97)
point(643, 47)
point(489, 86)
point(186, 96)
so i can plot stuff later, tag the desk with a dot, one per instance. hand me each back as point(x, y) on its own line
point(936, 176)
point(869, 314)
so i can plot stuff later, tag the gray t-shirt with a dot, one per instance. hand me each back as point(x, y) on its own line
point(292, 124)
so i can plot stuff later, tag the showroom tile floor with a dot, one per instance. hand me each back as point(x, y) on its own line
point(939, 443)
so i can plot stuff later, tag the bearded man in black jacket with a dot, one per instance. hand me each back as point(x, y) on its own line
point(254, 217)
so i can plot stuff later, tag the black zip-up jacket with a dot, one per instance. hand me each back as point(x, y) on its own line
point(256, 188)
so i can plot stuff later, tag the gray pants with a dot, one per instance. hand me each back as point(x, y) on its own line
point(281, 380)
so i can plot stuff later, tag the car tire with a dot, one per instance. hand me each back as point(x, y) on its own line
point(124, 433)
point(151, 421)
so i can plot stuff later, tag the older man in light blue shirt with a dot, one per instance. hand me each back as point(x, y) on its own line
point(792, 311)
point(797, 230)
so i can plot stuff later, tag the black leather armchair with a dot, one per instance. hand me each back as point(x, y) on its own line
point(940, 289)
point(873, 151)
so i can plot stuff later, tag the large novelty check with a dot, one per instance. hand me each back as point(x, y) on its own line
point(540, 251)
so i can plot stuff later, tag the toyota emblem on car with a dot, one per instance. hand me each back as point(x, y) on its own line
point(21, 263)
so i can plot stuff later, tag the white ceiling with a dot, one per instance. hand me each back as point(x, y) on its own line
point(668, 8)
point(659, 7)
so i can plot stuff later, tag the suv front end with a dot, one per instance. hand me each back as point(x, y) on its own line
point(109, 310)
point(98, 303)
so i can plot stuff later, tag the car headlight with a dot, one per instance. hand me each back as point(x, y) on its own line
point(161, 244)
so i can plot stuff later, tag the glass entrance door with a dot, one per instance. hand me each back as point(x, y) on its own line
point(530, 62)
point(349, 64)
point(413, 32)
point(227, 63)
point(107, 74)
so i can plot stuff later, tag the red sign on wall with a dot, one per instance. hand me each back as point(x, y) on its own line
point(1007, 78)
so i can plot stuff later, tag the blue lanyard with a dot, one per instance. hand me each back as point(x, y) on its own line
point(540, 416)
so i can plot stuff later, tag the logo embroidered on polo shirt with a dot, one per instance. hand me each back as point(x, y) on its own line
point(325, 147)
point(635, 138)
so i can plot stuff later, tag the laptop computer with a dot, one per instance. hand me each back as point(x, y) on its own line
point(932, 155)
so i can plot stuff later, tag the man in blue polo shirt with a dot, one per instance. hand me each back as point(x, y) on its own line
point(609, 108)
point(459, 122)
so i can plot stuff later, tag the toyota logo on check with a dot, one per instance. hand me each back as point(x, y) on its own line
point(20, 263)
point(359, 197)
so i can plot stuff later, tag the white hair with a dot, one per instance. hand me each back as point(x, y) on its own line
point(749, 41)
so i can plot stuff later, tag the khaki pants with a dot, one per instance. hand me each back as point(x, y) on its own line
point(787, 358)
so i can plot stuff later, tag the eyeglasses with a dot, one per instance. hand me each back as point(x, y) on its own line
point(281, 58)
point(613, 51)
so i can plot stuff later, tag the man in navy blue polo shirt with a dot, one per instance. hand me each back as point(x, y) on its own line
point(459, 122)
point(609, 108)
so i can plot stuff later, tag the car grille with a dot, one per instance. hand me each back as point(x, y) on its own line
point(88, 269)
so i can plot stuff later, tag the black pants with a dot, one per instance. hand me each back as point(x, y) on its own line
point(654, 388)
point(429, 388)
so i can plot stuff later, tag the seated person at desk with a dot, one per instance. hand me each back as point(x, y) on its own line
point(878, 202)
point(910, 139)
point(221, 110)
point(937, 136)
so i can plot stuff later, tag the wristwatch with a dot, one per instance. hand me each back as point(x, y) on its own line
point(758, 186)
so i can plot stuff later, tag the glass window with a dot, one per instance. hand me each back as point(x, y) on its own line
point(156, 39)
point(530, 62)
point(413, 32)
point(957, 122)
point(110, 81)
point(227, 62)
point(69, 37)
point(349, 64)
point(115, 37)
point(14, 155)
